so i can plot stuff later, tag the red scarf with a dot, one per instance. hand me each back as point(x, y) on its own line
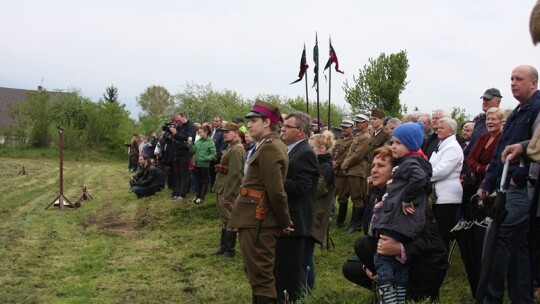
point(419, 153)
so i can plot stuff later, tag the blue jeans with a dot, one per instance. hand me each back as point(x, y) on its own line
point(142, 191)
point(390, 270)
point(512, 253)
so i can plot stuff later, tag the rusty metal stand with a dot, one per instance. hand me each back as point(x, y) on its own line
point(85, 196)
point(61, 199)
point(23, 171)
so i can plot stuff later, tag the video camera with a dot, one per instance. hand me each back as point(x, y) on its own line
point(167, 125)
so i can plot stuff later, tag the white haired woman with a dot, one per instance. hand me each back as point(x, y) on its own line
point(447, 161)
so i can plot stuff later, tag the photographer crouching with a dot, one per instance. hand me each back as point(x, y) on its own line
point(147, 180)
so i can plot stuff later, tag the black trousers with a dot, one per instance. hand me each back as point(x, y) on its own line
point(445, 215)
point(288, 268)
point(181, 175)
point(201, 181)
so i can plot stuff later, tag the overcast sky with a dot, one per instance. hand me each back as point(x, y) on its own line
point(456, 49)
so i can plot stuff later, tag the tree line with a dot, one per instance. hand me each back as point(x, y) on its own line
point(105, 125)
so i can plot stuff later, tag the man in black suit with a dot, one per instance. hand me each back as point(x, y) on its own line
point(300, 185)
point(221, 145)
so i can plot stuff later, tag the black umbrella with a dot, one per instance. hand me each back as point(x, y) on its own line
point(498, 215)
point(470, 233)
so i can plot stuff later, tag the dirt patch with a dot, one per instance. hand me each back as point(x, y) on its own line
point(112, 223)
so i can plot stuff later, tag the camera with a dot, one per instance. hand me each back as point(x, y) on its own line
point(167, 125)
point(133, 181)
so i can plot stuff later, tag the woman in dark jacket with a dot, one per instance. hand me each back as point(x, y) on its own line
point(326, 190)
point(483, 150)
point(426, 254)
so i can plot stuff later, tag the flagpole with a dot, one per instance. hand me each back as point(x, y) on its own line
point(307, 98)
point(317, 75)
point(329, 97)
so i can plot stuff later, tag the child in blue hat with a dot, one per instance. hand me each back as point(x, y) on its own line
point(401, 214)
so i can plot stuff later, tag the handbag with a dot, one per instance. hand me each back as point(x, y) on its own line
point(432, 197)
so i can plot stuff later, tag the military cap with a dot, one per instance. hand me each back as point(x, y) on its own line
point(265, 109)
point(378, 113)
point(347, 123)
point(229, 126)
point(360, 118)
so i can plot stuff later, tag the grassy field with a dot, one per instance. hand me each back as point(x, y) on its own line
point(119, 249)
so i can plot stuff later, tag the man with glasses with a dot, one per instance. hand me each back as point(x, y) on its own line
point(339, 152)
point(301, 186)
point(355, 168)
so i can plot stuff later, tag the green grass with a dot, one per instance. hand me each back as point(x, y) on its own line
point(119, 249)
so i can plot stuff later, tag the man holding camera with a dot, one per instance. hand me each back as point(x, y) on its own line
point(185, 130)
point(146, 181)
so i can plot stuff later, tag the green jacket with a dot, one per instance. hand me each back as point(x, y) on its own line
point(204, 151)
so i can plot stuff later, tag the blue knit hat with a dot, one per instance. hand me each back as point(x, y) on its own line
point(410, 134)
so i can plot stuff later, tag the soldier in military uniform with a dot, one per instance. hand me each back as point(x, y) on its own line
point(355, 168)
point(339, 152)
point(379, 137)
point(260, 212)
point(229, 174)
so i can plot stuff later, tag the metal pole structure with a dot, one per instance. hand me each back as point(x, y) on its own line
point(307, 98)
point(318, 106)
point(329, 97)
point(61, 198)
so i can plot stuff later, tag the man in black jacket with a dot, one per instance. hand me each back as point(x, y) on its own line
point(182, 156)
point(300, 185)
point(146, 181)
point(221, 145)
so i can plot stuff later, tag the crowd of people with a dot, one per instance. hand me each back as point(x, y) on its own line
point(281, 180)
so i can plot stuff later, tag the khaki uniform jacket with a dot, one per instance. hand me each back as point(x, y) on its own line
point(267, 168)
point(339, 152)
point(378, 139)
point(228, 184)
point(356, 162)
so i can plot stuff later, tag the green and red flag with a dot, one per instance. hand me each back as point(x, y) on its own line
point(303, 66)
point(332, 59)
point(316, 60)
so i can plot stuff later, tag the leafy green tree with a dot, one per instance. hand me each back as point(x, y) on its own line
point(379, 84)
point(19, 121)
point(157, 106)
point(38, 110)
point(459, 115)
point(337, 113)
point(201, 103)
point(111, 94)
point(156, 101)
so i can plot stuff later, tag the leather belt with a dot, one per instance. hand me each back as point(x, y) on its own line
point(251, 192)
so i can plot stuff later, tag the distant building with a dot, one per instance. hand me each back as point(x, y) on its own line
point(9, 96)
